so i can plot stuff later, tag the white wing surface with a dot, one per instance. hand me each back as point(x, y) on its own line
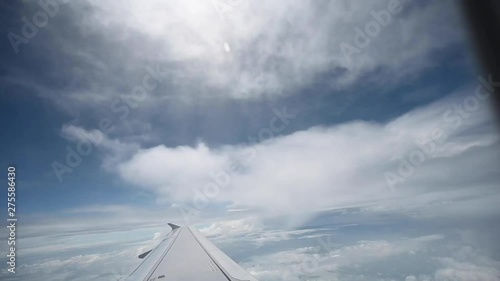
point(186, 255)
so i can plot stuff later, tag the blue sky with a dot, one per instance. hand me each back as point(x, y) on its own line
point(253, 123)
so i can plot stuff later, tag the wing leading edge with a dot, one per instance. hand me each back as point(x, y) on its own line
point(185, 254)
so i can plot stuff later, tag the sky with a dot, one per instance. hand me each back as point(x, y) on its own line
point(310, 140)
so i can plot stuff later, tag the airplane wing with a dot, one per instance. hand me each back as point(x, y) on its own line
point(186, 255)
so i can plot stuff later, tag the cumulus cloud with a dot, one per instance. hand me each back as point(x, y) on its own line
point(253, 230)
point(232, 227)
point(341, 165)
point(464, 264)
point(330, 263)
point(179, 176)
point(381, 260)
point(468, 270)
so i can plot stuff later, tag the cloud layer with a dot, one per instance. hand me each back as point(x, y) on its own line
point(276, 48)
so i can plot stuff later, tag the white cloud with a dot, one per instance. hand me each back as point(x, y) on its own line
point(116, 150)
point(466, 271)
point(105, 255)
point(341, 165)
point(178, 177)
point(467, 264)
point(463, 265)
point(252, 230)
point(232, 228)
point(377, 260)
point(330, 264)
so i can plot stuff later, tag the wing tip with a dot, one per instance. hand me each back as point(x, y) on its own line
point(173, 226)
point(143, 255)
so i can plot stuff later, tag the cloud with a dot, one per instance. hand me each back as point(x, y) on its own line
point(272, 42)
point(254, 231)
point(105, 255)
point(271, 253)
point(333, 263)
point(116, 150)
point(232, 228)
point(382, 260)
point(342, 165)
point(469, 270)
point(179, 176)
point(467, 263)
point(276, 49)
